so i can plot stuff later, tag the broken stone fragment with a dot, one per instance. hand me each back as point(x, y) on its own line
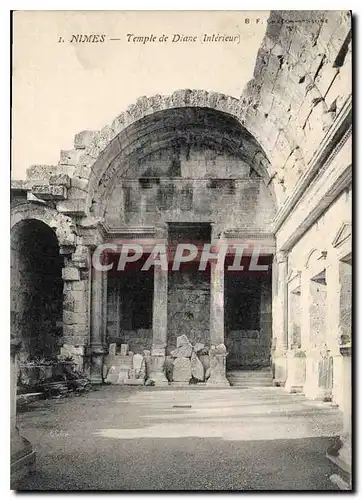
point(205, 361)
point(198, 346)
point(147, 358)
point(112, 349)
point(60, 180)
point(139, 366)
point(197, 369)
point(181, 370)
point(219, 349)
point(137, 361)
point(184, 351)
point(182, 340)
point(169, 368)
point(112, 375)
point(124, 349)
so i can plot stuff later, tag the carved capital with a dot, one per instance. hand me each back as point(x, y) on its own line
point(281, 256)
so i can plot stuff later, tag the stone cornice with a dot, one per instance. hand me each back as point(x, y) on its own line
point(332, 143)
point(246, 234)
point(128, 232)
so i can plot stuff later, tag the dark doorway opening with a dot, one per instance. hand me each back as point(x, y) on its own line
point(36, 289)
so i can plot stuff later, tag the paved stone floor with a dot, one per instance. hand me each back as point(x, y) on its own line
point(118, 438)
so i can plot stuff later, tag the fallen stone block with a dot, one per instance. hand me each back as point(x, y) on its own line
point(184, 351)
point(181, 370)
point(197, 369)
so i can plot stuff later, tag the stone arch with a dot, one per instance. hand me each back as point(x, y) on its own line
point(95, 165)
point(62, 225)
point(36, 284)
point(309, 257)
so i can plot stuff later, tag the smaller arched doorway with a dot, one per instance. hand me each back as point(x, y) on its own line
point(36, 289)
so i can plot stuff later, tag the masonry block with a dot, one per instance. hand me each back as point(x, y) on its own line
point(79, 183)
point(73, 207)
point(82, 140)
point(76, 194)
point(70, 157)
point(74, 318)
point(40, 172)
point(70, 274)
point(325, 78)
point(49, 192)
point(60, 180)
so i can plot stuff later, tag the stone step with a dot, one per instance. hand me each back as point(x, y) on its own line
point(244, 379)
point(248, 379)
point(250, 384)
point(249, 374)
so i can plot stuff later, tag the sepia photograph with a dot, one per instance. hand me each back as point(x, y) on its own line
point(181, 251)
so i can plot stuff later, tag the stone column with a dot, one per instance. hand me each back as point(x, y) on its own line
point(216, 304)
point(218, 351)
point(280, 317)
point(97, 350)
point(159, 326)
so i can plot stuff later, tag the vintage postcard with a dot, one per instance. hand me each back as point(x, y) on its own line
point(181, 257)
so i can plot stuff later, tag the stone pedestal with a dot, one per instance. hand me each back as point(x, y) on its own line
point(97, 355)
point(218, 368)
point(22, 454)
point(344, 456)
point(296, 371)
point(314, 386)
point(279, 360)
point(157, 365)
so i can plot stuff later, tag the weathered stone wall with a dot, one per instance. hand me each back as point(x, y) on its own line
point(188, 308)
point(248, 303)
point(123, 304)
point(302, 80)
point(209, 186)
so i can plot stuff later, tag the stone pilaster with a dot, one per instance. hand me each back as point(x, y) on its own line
point(76, 292)
point(97, 348)
point(159, 324)
point(280, 317)
point(314, 290)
